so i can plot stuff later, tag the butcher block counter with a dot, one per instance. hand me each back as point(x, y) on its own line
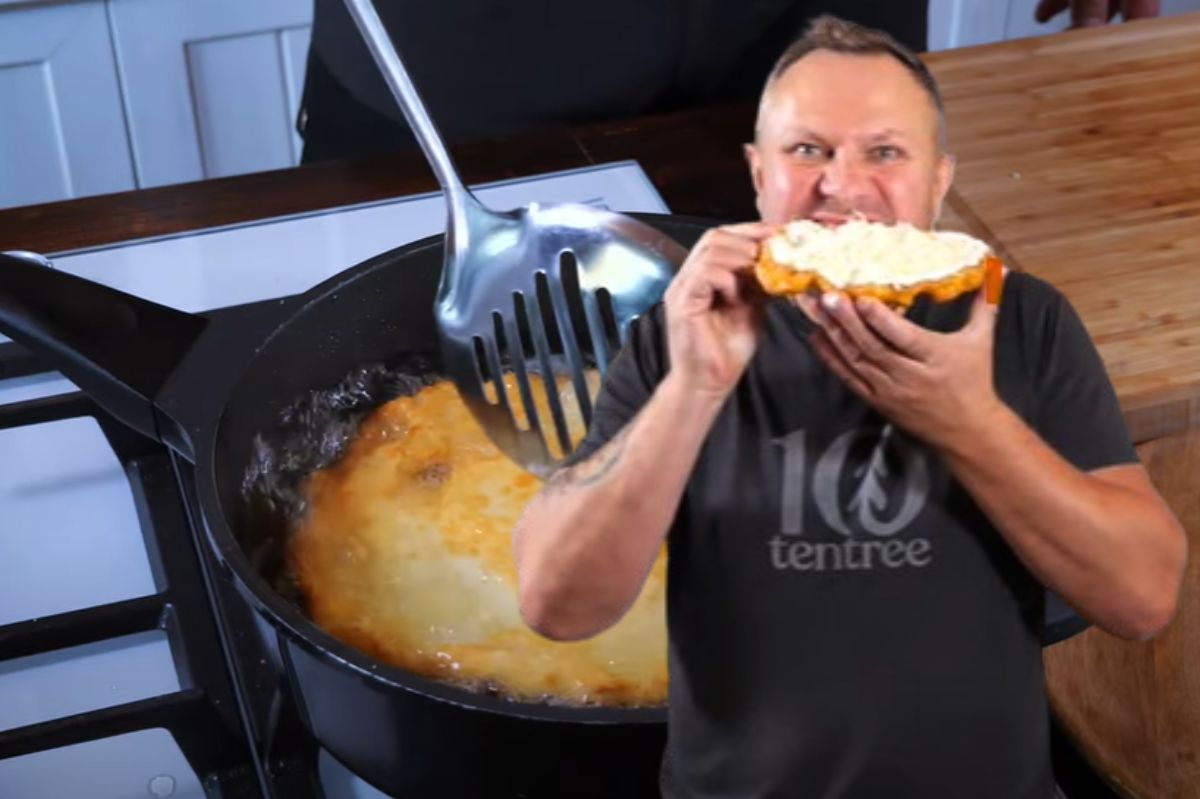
point(1078, 159)
point(1080, 155)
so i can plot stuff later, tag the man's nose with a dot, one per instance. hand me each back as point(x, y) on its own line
point(842, 178)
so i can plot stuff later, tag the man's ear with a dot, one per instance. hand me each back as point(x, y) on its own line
point(754, 161)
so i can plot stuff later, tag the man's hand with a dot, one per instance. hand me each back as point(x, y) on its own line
point(713, 309)
point(933, 385)
point(1090, 13)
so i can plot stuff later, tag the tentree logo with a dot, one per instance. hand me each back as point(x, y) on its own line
point(868, 486)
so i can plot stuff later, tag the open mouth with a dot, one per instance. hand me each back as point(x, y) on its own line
point(834, 219)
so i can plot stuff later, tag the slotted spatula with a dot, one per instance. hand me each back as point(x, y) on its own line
point(542, 291)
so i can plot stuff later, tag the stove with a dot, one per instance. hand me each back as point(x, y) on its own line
point(127, 666)
point(127, 669)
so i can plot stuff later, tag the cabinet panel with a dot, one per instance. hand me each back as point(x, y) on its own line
point(242, 122)
point(33, 157)
point(208, 84)
point(962, 23)
point(63, 133)
point(295, 53)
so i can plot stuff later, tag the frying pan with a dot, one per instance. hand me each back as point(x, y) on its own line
point(206, 386)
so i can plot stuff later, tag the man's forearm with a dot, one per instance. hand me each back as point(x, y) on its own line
point(584, 545)
point(1110, 551)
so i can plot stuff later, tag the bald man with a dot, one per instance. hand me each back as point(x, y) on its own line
point(862, 510)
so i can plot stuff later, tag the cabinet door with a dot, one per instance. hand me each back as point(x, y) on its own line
point(62, 133)
point(212, 87)
point(962, 23)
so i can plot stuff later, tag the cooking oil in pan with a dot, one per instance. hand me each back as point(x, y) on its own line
point(403, 550)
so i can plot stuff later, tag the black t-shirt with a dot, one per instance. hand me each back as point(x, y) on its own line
point(843, 620)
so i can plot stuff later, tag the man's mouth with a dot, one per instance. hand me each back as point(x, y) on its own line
point(833, 219)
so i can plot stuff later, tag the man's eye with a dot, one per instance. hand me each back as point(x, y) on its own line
point(886, 152)
point(808, 150)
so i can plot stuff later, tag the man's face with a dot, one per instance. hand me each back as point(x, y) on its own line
point(839, 134)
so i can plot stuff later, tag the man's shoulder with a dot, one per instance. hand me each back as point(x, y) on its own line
point(1030, 306)
point(1032, 290)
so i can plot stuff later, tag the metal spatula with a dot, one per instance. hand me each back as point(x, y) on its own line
point(540, 292)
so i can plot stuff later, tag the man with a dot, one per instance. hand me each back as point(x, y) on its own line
point(862, 509)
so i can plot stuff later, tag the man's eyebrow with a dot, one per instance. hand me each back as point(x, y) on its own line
point(886, 133)
point(801, 132)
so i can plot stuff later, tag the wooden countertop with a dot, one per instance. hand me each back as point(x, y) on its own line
point(1077, 160)
point(1080, 153)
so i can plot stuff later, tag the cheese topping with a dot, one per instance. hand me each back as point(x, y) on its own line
point(867, 253)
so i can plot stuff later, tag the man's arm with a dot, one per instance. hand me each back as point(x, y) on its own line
point(585, 544)
point(1103, 540)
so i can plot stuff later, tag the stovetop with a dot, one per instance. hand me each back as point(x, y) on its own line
point(115, 682)
point(123, 672)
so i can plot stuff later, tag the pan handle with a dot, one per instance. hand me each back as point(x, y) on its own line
point(120, 349)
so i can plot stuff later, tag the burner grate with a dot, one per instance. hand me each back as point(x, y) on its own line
point(234, 750)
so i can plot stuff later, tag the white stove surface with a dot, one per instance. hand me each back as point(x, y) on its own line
point(69, 534)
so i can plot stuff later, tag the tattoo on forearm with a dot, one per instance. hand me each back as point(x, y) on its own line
point(593, 469)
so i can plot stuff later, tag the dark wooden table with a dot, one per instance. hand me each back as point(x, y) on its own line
point(693, 158)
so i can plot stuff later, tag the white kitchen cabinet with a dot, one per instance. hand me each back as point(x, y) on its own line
point(62, 127)
point(962, 23)
point(99, 96)
point(211, 86)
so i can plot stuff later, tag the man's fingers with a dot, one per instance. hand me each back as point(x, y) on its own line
point(983, 315)
point(732, 287)
point(727, 286)
point(1048, 9)
point(745, 249)
point(828, 354)
point(723, 249)
point(899, 333)
point(1090, 13)
point(1140, 9)
point(860, 350)
point(732, 248)
point(811, 308)
point(751, 231)
point(842, 309)
point(745, 238)
point(726, 257)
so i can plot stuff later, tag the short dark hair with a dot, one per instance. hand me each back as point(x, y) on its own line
point(828, 32)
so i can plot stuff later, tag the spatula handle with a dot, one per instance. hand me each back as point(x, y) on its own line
point(396, 76)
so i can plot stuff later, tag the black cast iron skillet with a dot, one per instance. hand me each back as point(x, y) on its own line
point(206, 387)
